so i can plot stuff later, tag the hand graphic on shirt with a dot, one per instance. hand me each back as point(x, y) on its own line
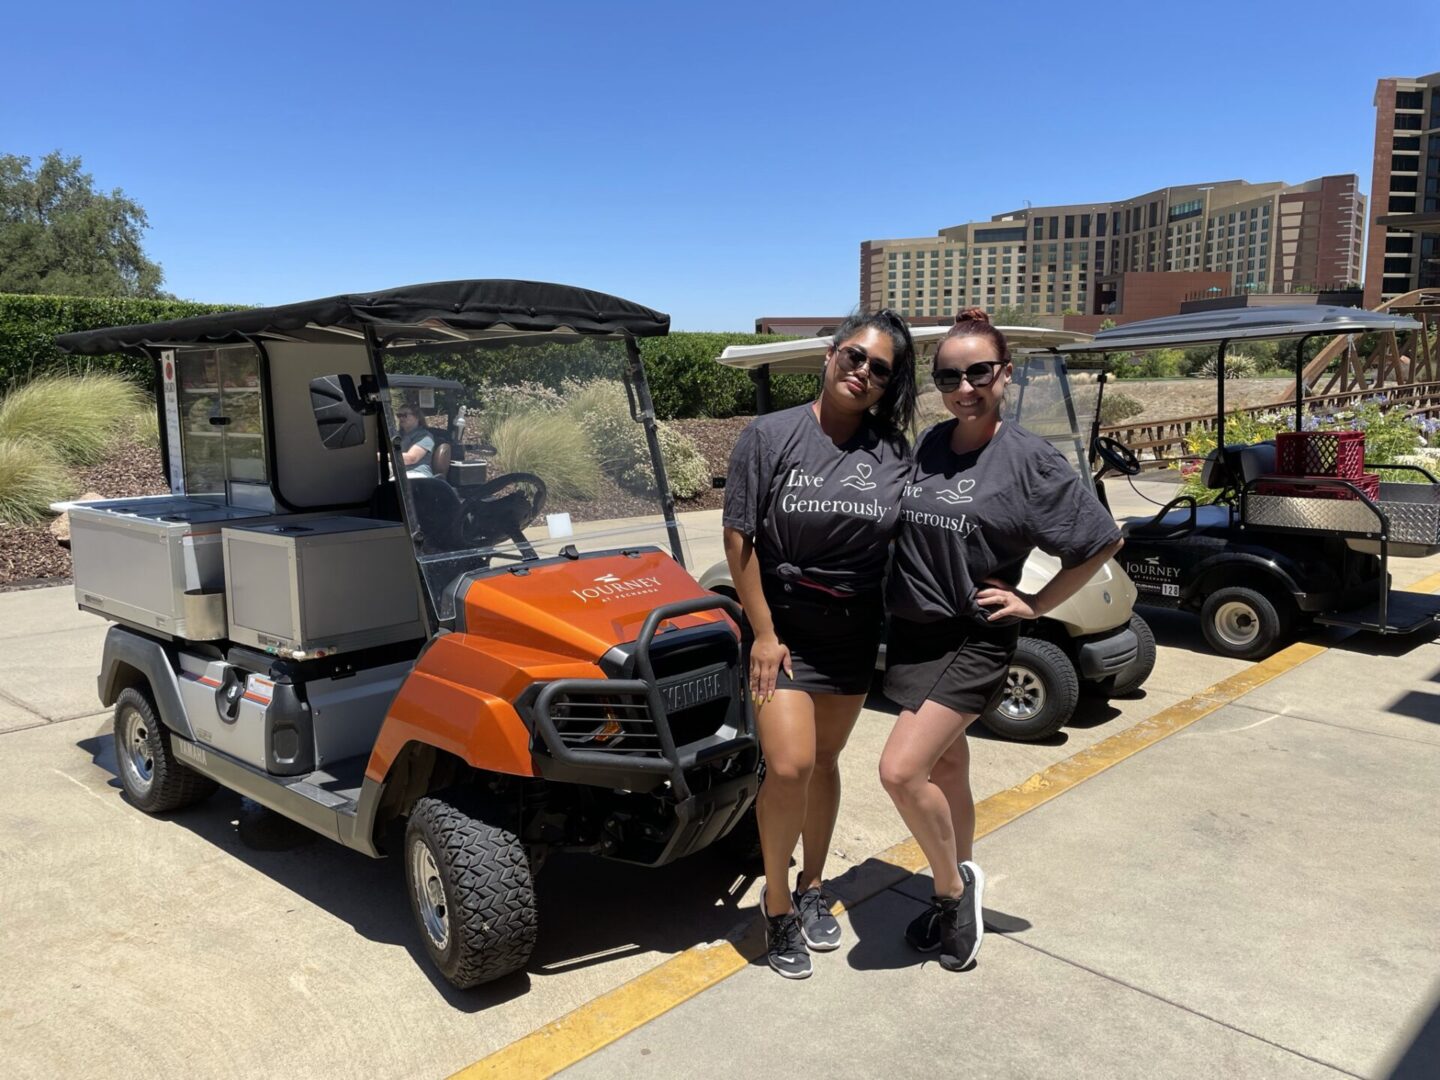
point(861, 480)
point(957, 496)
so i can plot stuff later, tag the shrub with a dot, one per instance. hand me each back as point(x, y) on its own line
point(685, 466)
point(30, 480)
point(77, 418)
point(1152, 364)
point(1115, 407)
point(30, 324)
point(602, 409)
point(499, 402)
point(552, 447)
point(1238, 366)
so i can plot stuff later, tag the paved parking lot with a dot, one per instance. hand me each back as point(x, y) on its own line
point(225, 941)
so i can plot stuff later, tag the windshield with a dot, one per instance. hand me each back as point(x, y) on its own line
point(517, 448)
point(1057, 402)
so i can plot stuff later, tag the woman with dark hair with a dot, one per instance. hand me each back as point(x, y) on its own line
point(811, 503)
point(983, 495)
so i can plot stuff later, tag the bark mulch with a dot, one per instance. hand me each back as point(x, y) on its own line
point(32, 556)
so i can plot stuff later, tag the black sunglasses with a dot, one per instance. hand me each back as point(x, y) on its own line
point(947, 380)
point(854, 359)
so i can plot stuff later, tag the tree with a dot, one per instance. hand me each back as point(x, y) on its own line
point(59, 236)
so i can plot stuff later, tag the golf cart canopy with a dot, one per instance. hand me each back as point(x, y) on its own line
point(1240, 324)
point(454, 310)
point(800, 357)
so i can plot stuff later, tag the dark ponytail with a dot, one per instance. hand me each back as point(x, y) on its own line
point(894, 414)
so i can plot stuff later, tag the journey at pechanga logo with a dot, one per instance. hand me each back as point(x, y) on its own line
point(609, 586)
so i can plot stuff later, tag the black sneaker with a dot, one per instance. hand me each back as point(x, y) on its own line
point(962, 925)
point(923, 933)
point(785, 943)
point(820, 928)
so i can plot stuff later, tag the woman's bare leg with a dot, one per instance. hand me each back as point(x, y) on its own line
point(916, 744)
point(786, 725)
point(951, 775)
point(835, 716)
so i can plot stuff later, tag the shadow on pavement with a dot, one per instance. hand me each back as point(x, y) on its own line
point(591, 910)
point(879, 929)
point(1421, 1059)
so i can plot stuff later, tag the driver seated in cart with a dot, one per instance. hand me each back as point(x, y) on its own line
point(418, 442)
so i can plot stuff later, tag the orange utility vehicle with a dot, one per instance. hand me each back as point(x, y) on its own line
point(370, 600)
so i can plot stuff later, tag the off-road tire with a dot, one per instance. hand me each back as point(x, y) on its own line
point(1241, 623)
point(1046, 675)
point(488, 893)
point(153, 779)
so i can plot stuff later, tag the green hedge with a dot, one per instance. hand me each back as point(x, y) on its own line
point(685, 380)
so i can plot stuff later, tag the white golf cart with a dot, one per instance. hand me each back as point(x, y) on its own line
point(1094, 640)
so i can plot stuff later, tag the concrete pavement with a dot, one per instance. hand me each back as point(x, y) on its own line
point(224, 941)
point(1254, 896)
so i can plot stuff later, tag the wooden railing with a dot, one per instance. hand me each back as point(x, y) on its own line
point(1160, 440)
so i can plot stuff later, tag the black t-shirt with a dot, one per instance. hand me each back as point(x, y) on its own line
point(818, 512)
point(968, 517)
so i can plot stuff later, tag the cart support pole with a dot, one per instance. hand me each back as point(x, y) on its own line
point(642, 409)
point(1220, 402)
point(1300, 380)
point(760, 376)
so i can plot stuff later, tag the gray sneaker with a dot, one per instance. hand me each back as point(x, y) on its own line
point(962, 924)
point(821, 929)
point(785, 949)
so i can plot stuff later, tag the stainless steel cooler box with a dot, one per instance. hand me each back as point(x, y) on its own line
point(154, 562)
point(321, 586)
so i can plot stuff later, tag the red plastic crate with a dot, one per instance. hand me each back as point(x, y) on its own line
point(1369, 483)
point(1321, 453)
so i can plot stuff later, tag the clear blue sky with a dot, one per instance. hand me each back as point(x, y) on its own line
point(717, 162)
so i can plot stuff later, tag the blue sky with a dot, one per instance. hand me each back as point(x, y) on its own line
point(718, 162)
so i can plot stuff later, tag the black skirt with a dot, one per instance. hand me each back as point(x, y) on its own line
point(833, 641)
point(958, 663)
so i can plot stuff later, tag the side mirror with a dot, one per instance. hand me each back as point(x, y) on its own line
point(339, 411)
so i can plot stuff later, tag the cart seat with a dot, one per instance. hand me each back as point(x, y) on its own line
point(1242, 463)
point(1177, 521)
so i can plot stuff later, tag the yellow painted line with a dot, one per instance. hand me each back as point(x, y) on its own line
point(1425, 585)
point(597, 1023)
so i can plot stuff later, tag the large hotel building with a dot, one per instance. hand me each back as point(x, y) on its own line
point(1404, 245)
point(1057, 260)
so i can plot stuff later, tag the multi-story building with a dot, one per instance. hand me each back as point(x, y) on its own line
point(1404, 248)
point(1269, 237)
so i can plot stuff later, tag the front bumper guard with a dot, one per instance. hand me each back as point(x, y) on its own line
point(671, 761)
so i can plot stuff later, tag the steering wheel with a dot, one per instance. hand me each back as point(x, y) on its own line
point(502, 508)
point(1117, 456)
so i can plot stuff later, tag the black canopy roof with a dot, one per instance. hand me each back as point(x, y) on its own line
point(462, 306)
point(1239, 324)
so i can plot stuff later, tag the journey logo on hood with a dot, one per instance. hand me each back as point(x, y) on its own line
point(608, 586)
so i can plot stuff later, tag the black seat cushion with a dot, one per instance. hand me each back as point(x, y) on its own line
point(1177, 522)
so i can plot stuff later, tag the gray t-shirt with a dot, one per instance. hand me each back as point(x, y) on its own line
point(968, 517)
point(424, 438)
point(818, 512)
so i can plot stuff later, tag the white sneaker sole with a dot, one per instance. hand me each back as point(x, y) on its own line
point(781, 971)
point(818, 946)
point(977, 894)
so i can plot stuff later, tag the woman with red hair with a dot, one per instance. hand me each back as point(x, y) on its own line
point(983, 495)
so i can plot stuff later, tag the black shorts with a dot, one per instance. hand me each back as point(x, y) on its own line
point(958, 663)
point(833, 642)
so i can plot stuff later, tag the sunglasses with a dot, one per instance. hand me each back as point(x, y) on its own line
point(853, 359)
point(947, 380)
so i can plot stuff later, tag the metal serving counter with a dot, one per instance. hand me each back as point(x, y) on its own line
point(155, 562)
